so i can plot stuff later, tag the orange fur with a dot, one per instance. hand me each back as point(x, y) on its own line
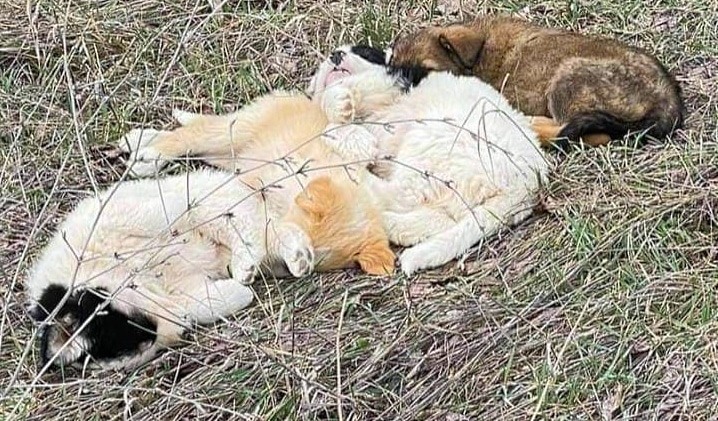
point(252, 136)
point(596, 139)
point(546, 129)
point(344, 232)
point(269, 140)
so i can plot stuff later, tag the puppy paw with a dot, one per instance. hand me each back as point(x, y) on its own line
point(413, 260)
point(302, 263)
point(427, 255)
point(206, 302)
point(144, 160)
point(146, 163)
point(244, 273)
point(338, 103)
point(235, 296)
point(297, 252)
point(137, 139)
point(402, 231)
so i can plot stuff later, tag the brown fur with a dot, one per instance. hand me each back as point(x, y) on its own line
point(337, 213)
point(571, 78)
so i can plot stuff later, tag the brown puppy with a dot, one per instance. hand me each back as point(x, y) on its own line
point(574, 85)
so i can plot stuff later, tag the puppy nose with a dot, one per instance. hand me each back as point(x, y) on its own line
point(336, 57)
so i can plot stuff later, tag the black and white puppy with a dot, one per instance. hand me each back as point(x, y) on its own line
point(405, 77)
point(86, 324)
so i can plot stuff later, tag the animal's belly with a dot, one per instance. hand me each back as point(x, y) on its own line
point(163, 260)
point(189, 254)
point(442, 173)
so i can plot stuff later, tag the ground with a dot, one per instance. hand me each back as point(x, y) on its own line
point(602, 306)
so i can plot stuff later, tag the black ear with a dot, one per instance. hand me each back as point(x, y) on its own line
point(115, 334)
point(51, 297)
point(370, 54)
point(409, 76)
point(89, 300)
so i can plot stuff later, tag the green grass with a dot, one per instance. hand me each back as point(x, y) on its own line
point(602, 307)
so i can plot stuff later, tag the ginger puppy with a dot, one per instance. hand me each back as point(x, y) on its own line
point(575, 86)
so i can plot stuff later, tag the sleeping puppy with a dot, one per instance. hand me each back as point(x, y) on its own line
point(276, 143)
point(462, 163)
point(129, 271)
point(575, 86)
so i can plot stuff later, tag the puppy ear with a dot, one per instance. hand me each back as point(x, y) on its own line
point(377, 259)
point(318, 197)
point(51, 297)
point(462, 44)
point(36, 312)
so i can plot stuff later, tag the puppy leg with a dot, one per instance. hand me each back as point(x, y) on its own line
point(145, 159)
point(185, 118)
point(409, 228)
point(376, 257)
point(352, 141)
point(548, 130)
point(294, 247)
point(339, 103)
point(247, 255)
point(344, 103)
point(484, 221)
point(212, 300)
point(203, 136)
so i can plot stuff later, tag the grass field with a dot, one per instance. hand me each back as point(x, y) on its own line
point(602, 307)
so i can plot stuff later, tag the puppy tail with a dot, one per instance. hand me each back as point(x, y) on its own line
point(655, 124)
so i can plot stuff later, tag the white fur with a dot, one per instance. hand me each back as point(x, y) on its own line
point(465, 163)
point(179, 249)
point(147, 160)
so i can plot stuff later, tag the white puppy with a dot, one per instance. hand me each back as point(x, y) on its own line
point(145, 259)
point(463, 163)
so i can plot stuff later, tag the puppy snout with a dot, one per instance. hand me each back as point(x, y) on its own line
point(336, 57)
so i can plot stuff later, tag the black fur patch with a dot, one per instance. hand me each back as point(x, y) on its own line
point(409, 76)
point(370, 54)
point(111, 333)
point(50, 298)
point(606, 123)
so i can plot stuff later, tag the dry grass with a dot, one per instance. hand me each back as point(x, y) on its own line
point(603, 307)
